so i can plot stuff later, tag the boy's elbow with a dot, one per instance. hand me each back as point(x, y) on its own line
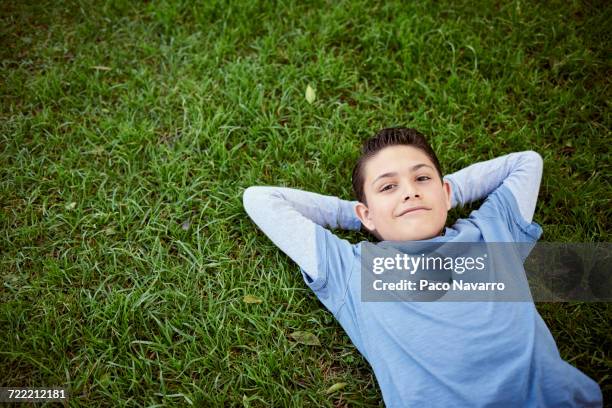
point(534, 156)
point(252, 197)
point(535, 160)
point(249, 196)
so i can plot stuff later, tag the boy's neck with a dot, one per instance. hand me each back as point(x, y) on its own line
point(440, 234)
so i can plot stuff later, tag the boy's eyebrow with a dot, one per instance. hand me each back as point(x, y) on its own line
point(394, 173)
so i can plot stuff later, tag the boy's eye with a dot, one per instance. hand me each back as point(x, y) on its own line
point(421, 178)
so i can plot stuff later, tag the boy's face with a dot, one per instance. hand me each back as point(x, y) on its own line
point(399, 178)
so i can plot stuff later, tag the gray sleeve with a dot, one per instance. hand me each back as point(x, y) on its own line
point(287, 216)
point(521, 172)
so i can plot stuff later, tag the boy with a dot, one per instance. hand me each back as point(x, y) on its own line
point(434, 354)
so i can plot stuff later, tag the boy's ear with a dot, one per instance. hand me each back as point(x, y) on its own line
point(448, 193)
point(363, 213)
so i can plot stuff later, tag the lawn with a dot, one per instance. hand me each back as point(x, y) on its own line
point(129, 131)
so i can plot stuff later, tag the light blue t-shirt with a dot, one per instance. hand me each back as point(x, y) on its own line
point(449, 354)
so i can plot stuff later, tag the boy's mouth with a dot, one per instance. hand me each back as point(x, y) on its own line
point(414, 209)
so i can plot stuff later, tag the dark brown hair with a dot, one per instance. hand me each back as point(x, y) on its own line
point(384, 138)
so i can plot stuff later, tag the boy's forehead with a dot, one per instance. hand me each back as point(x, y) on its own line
point(399, 158)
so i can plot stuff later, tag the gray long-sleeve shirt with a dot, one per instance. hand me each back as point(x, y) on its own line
point(437, 354)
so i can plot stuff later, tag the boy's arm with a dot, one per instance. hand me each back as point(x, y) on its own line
point(521, 172)
point(287, 216)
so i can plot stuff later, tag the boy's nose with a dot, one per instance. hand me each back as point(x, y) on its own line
point(410, 192)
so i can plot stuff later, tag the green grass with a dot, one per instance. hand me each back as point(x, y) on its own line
point(128, 133)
